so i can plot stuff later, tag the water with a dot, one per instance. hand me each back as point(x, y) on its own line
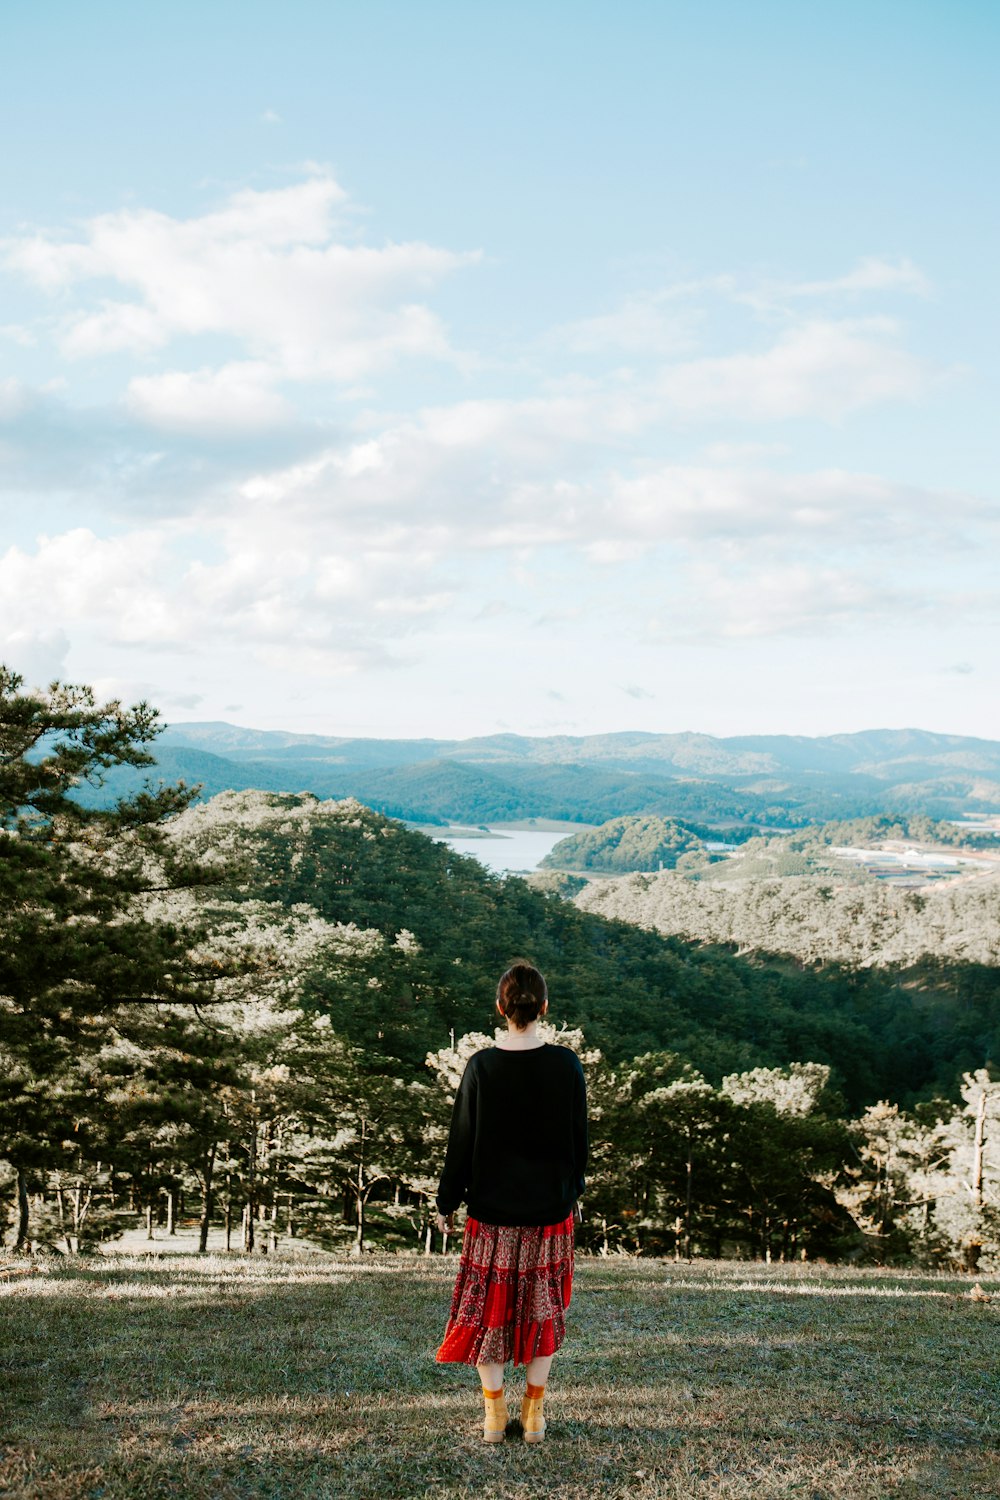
point(514, 849)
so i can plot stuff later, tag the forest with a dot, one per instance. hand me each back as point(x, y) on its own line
point(815, 920)
point(628, 844)
point(252, 1012)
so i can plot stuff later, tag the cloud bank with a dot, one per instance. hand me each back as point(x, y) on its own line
point(265, 473)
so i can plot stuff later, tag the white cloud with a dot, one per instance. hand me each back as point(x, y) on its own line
point(667, 321)
point(266, 269)
point(340, 562)
point(823, 509)
point(337, 555)
point(790, 600)
point(871, 274)
point(229, 399)
point(78, 576)
point(649, 323)
point(504, 476)
point(38, 654)
point(821, 367)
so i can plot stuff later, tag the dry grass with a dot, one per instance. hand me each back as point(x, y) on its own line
point(272, 1377)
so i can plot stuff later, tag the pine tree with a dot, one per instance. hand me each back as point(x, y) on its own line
point(79, 952)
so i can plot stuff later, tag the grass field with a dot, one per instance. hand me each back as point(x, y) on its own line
point(272, 1377)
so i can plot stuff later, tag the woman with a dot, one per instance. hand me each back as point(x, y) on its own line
point(516, 1155)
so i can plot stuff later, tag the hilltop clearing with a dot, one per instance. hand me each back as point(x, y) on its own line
point(278, 1378)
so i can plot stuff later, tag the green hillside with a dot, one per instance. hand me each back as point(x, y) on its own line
point(631, 990)
point(625, 844)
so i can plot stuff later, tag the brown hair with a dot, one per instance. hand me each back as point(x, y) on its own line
point(521, 993)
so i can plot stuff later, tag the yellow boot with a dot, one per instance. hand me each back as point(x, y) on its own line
point(496, 1418)
point(532, 1419)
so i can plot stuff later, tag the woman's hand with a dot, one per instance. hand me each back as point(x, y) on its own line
point(446, 1225)
point(578, 1212)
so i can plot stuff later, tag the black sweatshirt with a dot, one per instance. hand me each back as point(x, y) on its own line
point(517, 1148)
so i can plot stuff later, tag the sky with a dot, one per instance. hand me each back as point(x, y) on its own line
point(447, 369)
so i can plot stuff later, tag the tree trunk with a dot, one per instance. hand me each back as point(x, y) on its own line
point(687, 1208)
point(229, 1200)
point(171, 1210)
point(359, 1231)
point(149, 1220)
point(359, 1195)
point(974, 1244)
point(61, 1201)
point(21, 1241)
point(81, 1207)
point(248, 1236)
point(207, 1174)
point(248, 1226)
point(977, 1152)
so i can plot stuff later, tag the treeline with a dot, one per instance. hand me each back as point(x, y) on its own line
point(947, 935)
point(228, 1009)
point(272, 1129)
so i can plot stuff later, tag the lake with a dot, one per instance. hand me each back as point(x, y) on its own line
point(517, 850)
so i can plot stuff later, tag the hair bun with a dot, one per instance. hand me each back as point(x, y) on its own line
point(521, 993)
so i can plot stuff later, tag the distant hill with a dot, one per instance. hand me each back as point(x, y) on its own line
point(625, 844)
point(815, 919)
point(796, 895)
point(778, 781)
point(894, 754)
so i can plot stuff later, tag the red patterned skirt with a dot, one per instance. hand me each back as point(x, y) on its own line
point(512, 1290)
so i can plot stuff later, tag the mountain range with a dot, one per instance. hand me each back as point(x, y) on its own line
point(753, 780)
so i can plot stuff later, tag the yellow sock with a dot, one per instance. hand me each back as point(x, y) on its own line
point(534, 1392)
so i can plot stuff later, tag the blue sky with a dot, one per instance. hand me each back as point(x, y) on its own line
point(397, 369)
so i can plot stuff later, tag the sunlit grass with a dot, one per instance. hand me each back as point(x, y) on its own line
point(232, 1376)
